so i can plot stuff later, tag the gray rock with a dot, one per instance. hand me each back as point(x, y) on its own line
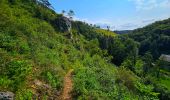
point(6, 95)
point(64, 25)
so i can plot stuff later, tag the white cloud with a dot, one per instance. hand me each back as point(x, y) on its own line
point(151, 4)
point(101, 22)
point(118, 24)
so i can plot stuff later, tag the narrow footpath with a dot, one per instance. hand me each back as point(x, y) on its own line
point(68, 86)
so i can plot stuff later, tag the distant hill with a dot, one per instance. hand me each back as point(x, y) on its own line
point(154, 38)
point(122, 31)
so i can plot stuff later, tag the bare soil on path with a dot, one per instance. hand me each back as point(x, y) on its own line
point(68, 86)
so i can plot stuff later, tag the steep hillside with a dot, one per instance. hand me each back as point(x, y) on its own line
point(154, 38)
point(38, 47)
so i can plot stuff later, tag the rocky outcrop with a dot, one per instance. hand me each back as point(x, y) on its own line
point(63, 24)
point(40, 88)
point(6, 96)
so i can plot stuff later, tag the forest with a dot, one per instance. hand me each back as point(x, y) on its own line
point(40, 47)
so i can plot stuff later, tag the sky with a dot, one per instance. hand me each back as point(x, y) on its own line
point(118, 14)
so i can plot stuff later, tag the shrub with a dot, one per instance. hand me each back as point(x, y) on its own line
point(84, 81)
point(5, 83)
point(17, 71)
point(24, 94)
point(146, 90)
point(126, 77)
point(52, 78)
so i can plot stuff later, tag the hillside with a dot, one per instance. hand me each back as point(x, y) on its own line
point(154, 38)
point(45, 55)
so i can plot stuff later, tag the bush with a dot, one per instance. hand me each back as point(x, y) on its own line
point(52, 78)
point(16, 72)
point(24, 94)
point(126, 77)
point(5, 83)
point(85, 82)
point(146, 90)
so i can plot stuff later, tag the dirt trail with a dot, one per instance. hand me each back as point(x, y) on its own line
point(68, 86)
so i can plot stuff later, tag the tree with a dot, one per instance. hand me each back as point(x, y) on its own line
point(71, 14)
point(63, 12)
point(12, 1)
point(148, 63)
point(131, 48)
point(108, 28)
point(46, 3)
point(98, 26)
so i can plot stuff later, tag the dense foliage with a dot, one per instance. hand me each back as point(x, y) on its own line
point(154, 38)
point(35, 55)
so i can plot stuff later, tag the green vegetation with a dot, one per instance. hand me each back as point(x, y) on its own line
point(154, 38)
point(35, 56)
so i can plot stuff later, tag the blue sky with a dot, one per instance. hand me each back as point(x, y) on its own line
point(119, 14)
